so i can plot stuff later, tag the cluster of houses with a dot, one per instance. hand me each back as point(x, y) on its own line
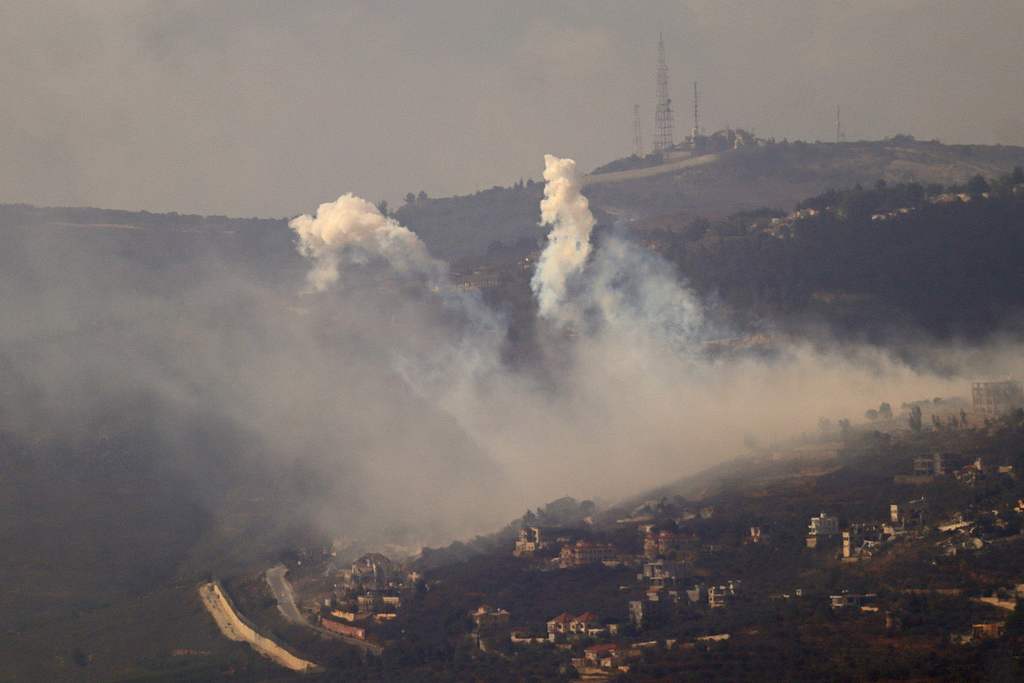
point(369, 591)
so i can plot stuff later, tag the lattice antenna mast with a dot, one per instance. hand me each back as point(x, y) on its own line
point(840, 135)
point(663, 110)
point(696, 112)
point(638, 140)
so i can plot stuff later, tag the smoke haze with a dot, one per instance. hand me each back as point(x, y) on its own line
point(206, 106)
point(378, 387)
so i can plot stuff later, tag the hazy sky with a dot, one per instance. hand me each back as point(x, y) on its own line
point(268, 108)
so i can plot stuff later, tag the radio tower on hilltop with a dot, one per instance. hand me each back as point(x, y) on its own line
point(696, 113)
point(663, 110)
point(638, 140)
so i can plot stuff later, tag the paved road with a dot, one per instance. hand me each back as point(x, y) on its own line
point(282, 591)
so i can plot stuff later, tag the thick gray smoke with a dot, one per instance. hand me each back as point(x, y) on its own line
point(359, 390)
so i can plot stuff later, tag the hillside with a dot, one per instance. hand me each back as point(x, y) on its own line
point(715, 186)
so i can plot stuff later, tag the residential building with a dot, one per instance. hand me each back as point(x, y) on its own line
point(987, 631)
point(586, 552)
point(992, 399)
point(821, 527)
point(662, 573)
point(908, 514)
point(566, 626)
point(604, 655)
point(528, 542)
point(370, 602)
point(343, 629)
point(720, 596)
point(699, 593)
point(662, 543)
point(845, 599)
point(637, 613)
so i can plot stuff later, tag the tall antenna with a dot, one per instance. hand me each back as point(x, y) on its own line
point(638, 141)
point(663, 110)
point(840, 135)
point(696, 112)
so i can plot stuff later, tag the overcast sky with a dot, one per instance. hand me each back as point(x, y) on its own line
point(268, 108)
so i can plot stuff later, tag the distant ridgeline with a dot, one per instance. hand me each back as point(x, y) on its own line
point(724, 174)
point(870, 261)
point(157, 239)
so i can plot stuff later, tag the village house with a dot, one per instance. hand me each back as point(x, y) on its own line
point(699, 593)
point(661, 543)
point(908, 514)
point(349, 615)
point(844, 600)
point(369, 602)
point(661, 573)
point(861, 542)
point(720, 596)
point(343, 629)
point(567, 626)
point(820, 528)
point(528, 542)
point(585, 552)
point(604, 655)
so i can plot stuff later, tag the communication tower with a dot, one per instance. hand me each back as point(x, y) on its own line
point(663, 110)
point(638, 141)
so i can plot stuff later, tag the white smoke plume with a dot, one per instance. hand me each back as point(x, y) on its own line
point(567, 211)
point(354, 228)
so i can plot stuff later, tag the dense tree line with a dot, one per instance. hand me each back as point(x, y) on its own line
point(951, 269)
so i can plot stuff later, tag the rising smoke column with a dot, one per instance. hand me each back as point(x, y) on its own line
point(567, 211)
point(353, 227)
point(465, 335)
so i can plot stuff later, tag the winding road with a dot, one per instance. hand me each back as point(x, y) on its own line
point(284, 595)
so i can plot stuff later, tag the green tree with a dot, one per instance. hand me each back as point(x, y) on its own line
point(915, 418)
point(977, 185)
point(410, 198)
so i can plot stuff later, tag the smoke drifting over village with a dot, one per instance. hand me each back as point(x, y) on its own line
point(380, 386)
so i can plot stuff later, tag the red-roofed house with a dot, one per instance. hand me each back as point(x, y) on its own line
point(559, 626)
point(597, 654)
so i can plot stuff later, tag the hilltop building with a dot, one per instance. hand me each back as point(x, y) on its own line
point(528, 542)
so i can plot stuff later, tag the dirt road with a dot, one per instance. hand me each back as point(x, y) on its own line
point(233, 628)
